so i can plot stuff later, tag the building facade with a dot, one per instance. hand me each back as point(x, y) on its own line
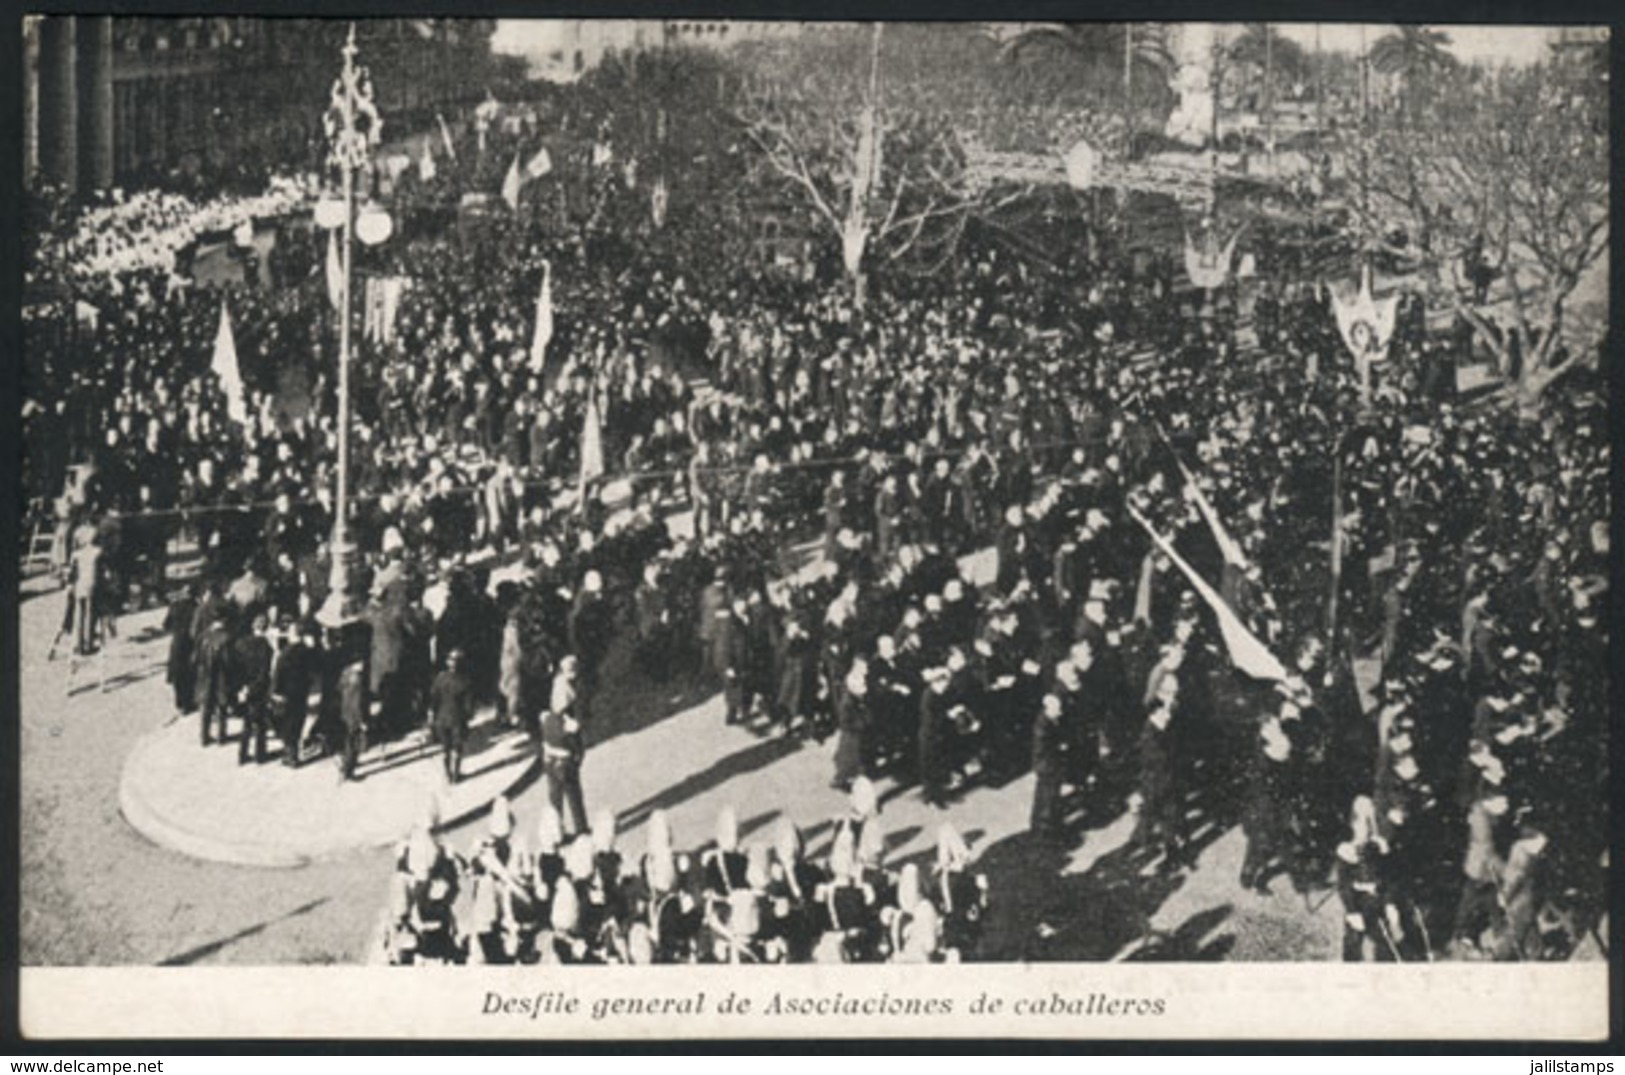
point(111, 101)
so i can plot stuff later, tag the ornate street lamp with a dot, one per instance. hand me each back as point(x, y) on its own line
point(353, 130)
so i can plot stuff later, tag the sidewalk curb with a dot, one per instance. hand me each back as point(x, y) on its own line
point(157, 829)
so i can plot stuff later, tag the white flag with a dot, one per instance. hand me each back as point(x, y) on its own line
point(335, 271)
point(225, 368)
point(544, 320)
point(445, 136)
point(511, 184)
point(1228, 546)
point(426, 169)
point(1247, 653)
point(539, 165)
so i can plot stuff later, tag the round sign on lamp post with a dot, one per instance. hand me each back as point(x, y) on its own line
point(329, 212)
point(373, 226)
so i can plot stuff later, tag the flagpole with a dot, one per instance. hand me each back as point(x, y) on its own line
point(340, 580)
point(1337, 543)
point(353, 95)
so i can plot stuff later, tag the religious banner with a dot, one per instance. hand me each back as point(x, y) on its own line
point(1366, 324)
point(1208, 265)
point(382, 303)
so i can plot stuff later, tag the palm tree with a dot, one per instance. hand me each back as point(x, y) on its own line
point(1097, 46)
point(1264, 58)
point(1262, 46)
point(1414, 53)
point(1100, 52)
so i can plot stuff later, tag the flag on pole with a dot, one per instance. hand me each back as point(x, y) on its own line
point(1366, 324)
point(1229, 547)
point(224, 366)
point(1247, 653)
point(335, 270)
point(510, 185)
point(544, 320)
point(592, 448)
point(445, 136)
point(1209, 265)
point(426, 168)
point(539, 165)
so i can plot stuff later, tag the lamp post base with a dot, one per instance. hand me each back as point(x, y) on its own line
point(343, 605)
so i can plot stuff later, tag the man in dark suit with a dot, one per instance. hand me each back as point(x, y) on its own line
point(213, 633)
point(388, 674)
point(1161, 824)
point(835, 509)
point(251, 661)
point(712, 624)
point(353, 713)
point(563, 749)
point(182, 665)
point(1050, 767)
point(590, 630)
point(738, 653)
point(292, 670)
point(451, 708)
point(888, 512)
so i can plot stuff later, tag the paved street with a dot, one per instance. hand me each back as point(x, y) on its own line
point(94, 892)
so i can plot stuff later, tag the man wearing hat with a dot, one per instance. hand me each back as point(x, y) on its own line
point(590, 629)
point(251, 659)
point(292, 668)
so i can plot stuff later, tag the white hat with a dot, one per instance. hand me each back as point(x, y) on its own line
point(501, 817)
point(727, 829)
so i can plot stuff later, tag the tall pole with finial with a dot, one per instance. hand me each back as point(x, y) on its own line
point(351, 102)
point(1269, 95)
point(1128, 83)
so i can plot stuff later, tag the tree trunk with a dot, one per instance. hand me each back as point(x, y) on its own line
point(860, 287)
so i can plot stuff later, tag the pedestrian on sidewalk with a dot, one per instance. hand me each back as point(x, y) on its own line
point(451, 709)
point(563, 750)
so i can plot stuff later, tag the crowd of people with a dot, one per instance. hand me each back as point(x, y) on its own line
point(987, 463)
point(513, 899)
point(130, 232)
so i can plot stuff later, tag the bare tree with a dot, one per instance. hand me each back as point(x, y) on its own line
point(877, 169)
point(1502, 176)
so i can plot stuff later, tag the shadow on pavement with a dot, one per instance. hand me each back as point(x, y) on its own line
point(756, 756)
point(203, 951)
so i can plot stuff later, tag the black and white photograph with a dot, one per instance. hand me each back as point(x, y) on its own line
point(567, 492)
